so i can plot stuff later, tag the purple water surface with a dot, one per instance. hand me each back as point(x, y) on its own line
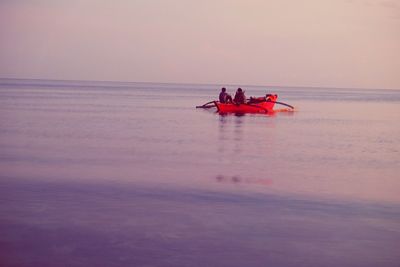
point(131, 174)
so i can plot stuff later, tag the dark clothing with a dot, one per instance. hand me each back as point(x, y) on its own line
point(240, 98)
point(224, 97)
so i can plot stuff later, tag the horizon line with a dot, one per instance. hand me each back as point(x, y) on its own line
point(206, 84)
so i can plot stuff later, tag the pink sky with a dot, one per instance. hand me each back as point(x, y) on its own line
point(333, 43)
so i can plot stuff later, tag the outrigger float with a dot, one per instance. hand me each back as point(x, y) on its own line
point(261, 105)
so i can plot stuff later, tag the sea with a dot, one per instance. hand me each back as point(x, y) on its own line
point(96, 173)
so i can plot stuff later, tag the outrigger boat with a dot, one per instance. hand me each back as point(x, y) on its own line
point(253, 105)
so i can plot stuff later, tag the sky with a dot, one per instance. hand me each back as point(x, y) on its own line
point(319, 43)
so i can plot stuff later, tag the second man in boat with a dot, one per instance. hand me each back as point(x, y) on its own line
point(239, 98)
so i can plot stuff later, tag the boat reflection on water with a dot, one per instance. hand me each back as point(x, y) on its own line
point(230, 134)
point(236, 179)
point(236, 155)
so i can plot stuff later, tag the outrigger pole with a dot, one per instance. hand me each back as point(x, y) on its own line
point(281, 103)
point(207, 105)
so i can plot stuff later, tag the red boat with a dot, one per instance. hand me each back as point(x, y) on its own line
point(255, 105)
point(261, 105)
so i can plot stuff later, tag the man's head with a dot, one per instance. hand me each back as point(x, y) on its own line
point(223, 89)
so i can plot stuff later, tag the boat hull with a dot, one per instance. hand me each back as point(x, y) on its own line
point(261, 107)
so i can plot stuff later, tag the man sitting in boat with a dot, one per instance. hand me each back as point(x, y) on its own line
point(224, 97)
point(240, 98)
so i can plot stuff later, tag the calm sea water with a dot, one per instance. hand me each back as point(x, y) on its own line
point(132, 174)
